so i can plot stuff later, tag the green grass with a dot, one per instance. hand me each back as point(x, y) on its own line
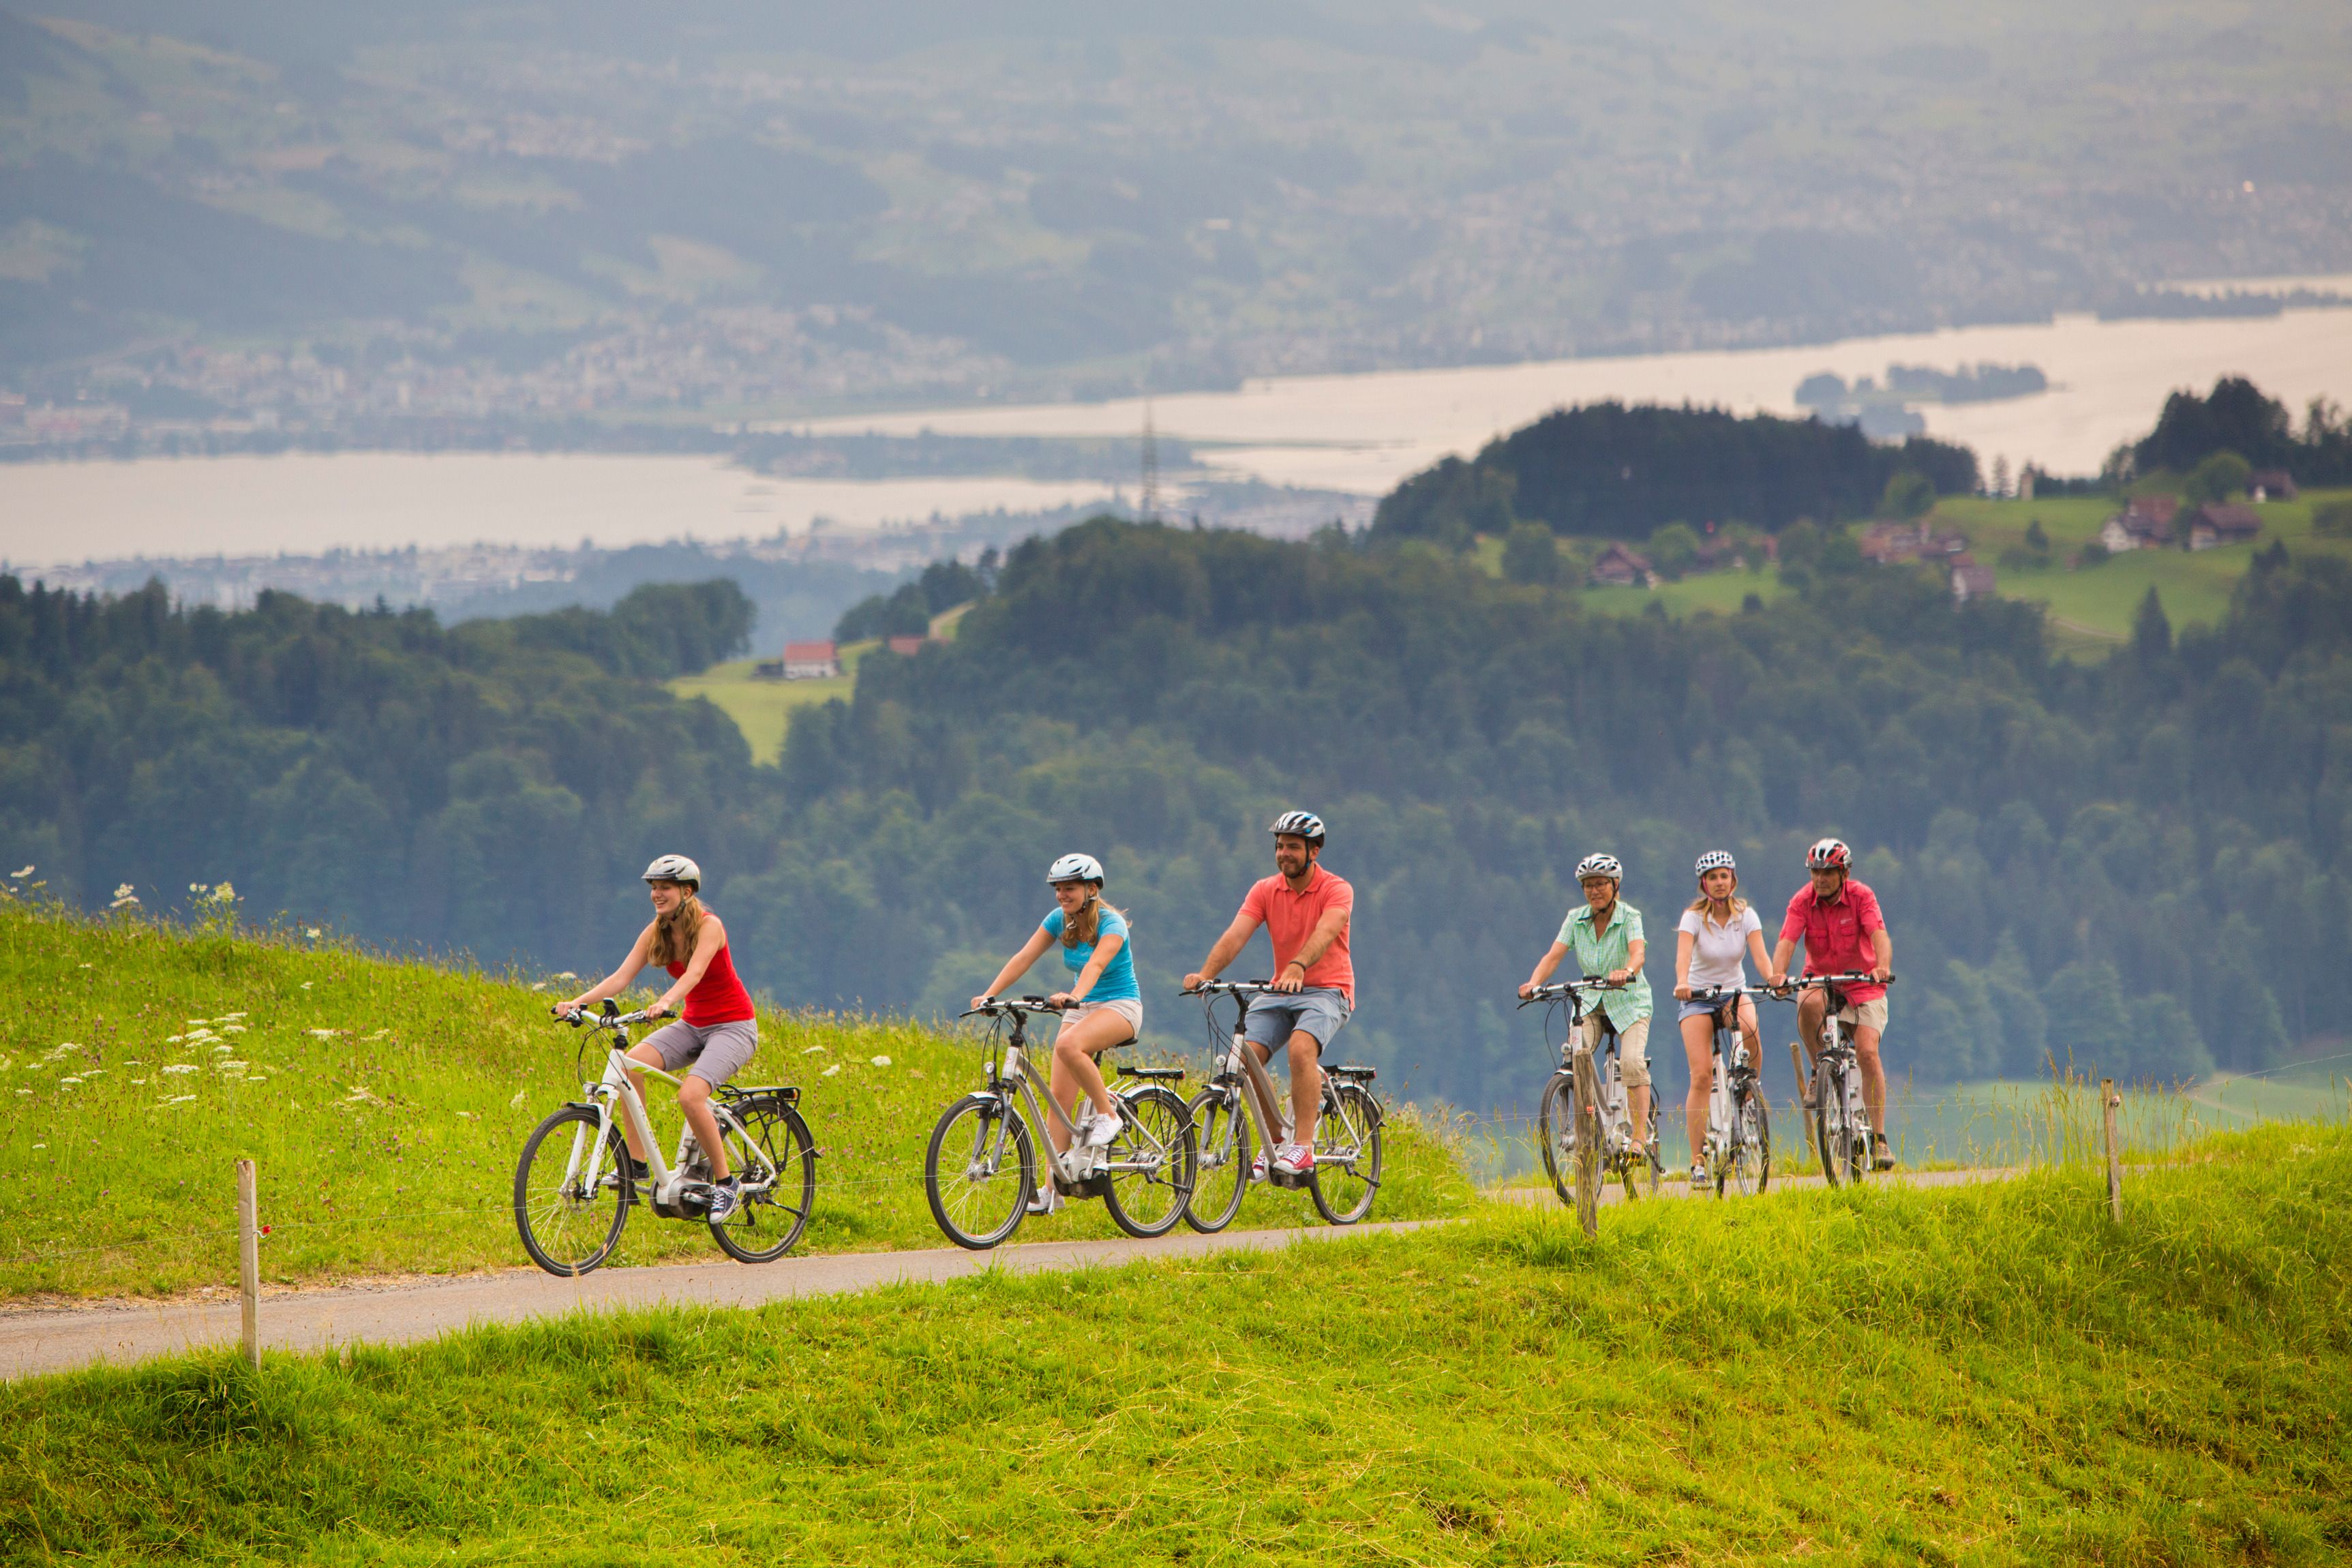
point(385, 1104)
point(1987, 1375)
point(763, 709)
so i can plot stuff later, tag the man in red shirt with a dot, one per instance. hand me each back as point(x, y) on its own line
point(1305, 910)
point(1838, 920)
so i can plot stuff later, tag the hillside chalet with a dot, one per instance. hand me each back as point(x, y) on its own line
point(2145, 523)
point(1618, 567)
point(2217, 524)
point(802, 661)
point(2273, 484)
point(1889, 543)
point(1970, 581)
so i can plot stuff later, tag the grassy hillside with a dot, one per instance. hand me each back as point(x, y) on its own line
point(386, 1104)
point(762, 709)
point(1989, 1375)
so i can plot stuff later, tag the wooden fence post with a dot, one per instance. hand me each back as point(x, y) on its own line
point(248, 1261)
point(2108, 1102)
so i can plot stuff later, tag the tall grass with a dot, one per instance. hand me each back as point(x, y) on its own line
point(1992, 1374)
point(385, 1103)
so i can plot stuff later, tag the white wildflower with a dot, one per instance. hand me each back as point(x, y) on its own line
point(322, 1034)
point(6, 1062)
point(810, 1050)
point(136, 1081)
point(199, 1022)
point(223, 1049)
point(125, 899)
point(522, 1097)
point(27, 1091)
point(183, 1067)
point(59, 1049)
point(377, 1036)
point(306, 985)
point(311, 932)
point(176, 1099)
point(40, 1145)
point(565, 974)
point(174, 1040)
point(229, 1018)
point(93, 1072)
point(831, 1070)
point(233, 1028)
point(881, 1061)
point(67, 1083)
point(465, 1115)
point(230, 1067)
point(20, 876)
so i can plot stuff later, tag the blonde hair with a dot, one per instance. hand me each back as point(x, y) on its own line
point(675, 933)
point(1079, 930)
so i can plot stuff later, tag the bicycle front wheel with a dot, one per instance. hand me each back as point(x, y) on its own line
point(979, 1172)
point(1221, 1173)
point(1348, 1155)
point(775, 1156)
point(1151, 1163)
point(1829, 1129)
point(571, 1194)
point(1749, 1167)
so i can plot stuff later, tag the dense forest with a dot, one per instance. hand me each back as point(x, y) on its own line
point(2140, 864)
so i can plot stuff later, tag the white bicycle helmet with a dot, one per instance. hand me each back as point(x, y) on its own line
point(674, 868)
point(1303, 824)
point(1599, 865)
point(1075, 869)
point(1717, 860)
point(1828, 853)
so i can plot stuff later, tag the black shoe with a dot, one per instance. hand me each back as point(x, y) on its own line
point(1881, 1155)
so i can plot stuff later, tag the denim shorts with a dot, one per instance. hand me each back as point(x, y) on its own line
point(1318, 1013)
point(717, 1051)
point(1703, 1009)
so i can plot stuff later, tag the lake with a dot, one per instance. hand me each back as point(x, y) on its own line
point(1355, 433)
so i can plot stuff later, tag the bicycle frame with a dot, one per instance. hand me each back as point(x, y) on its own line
point(1244, 1077)
point(616, 1086)
point(1611, 1110)
point(1075, 1170)
point(1835, 1066)
point(1730, 1057)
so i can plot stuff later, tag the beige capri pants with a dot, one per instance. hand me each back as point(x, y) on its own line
point(1632, 1048)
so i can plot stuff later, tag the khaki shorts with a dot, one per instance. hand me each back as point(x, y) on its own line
point(1870, 1014)
point(1127, 1007)
point(1632, 1048)
point(718, 1051)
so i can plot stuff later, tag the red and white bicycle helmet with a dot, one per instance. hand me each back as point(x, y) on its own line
point(1827, 854)
point(1075, 869)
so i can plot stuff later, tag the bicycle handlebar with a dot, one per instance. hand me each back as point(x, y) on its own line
point(1559, 988)
point(999, 1006)
point(581, 1015)
point(1231, 988)
point(1806, 982)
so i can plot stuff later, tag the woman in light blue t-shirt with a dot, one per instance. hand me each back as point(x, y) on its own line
point(1101, 1007)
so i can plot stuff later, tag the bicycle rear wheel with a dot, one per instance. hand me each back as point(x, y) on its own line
point(1831, 1133)
point(1221, 1172)
point(569, 1223)
point(1748, 1167)
point(1150, 1162)
point(766, 1223)
point(1348, 1156)
point(980, 1171)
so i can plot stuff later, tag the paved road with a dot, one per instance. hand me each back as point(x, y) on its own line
point(57, 1341)
point(41, 1342)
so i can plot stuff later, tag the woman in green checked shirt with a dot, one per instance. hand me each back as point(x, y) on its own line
point(1606, 937)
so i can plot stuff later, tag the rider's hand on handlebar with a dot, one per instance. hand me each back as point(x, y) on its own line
point(1526, 989)
point(1618, 976)
point(1284, 982)
point(982, 1003)
point(1195, 981)
point(1881, 974)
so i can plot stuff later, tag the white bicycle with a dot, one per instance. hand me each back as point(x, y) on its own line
point(574, 1186)
point(1738, 1144)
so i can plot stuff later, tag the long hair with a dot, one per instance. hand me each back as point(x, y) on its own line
point(673, 932)
point(1079, 930)
point(1734, 906)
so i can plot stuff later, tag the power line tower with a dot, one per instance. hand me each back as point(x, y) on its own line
point(1148, 509)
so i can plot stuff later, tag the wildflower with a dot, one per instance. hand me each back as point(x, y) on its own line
point(810, 1050)
point(306, 985)
point(232, 1028)
point(311, 932)
point(522, 1097)
point(28, 1092)
point(183, 1067)
point(881, 1061)
point(831, 1070)
point(177, 1100)
point(378, 1034)
point(465, 1115)
point(20, 876)
point(67, 1083)
point(174, 1040)
point(565, 974)
point(321, 1033)
point(223, 1049)
point(229, 1018)
point(136, 1081)
point(125, 899)
point(231, 1067)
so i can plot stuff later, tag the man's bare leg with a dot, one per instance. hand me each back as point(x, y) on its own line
point(1305, 1086)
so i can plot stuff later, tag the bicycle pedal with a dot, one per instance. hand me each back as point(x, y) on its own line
point(1290, 1180)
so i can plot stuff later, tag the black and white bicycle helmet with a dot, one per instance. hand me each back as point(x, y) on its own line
point(674, 868)
point(1303, 824)
point(1599, 865)
point(1715, 860)
point(1829, 854)
point(1075, 869)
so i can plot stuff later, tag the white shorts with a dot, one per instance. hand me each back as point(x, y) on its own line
point(1127, 1007)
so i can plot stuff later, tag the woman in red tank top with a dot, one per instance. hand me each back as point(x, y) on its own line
point(718, 1029)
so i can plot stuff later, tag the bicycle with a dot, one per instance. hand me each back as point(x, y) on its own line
point(1738, 1144)
point(1581, 1120)
point(1346, 1174)
point(979, 1195)
point(1837, 1117)
point(573, 1195)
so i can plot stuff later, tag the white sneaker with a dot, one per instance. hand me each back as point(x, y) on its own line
point(1097, 1132)
point(1048, 1199)
point(1259, 1167)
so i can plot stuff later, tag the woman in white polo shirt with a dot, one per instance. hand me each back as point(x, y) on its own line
point(1711, 943)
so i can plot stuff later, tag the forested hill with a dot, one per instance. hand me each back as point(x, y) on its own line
point(2138, 864)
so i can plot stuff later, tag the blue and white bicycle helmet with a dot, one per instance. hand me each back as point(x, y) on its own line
point(1599, 865)
point(1715, 860)
point(1303, 824)
point(1075, 869)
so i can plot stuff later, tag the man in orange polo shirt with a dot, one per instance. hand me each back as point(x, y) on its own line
point(1305, 910)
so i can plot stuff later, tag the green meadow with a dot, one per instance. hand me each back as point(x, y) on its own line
point(385, 1103)
point(1989, 1375)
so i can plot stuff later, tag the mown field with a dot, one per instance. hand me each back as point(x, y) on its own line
point(385, 1103)
point(763, 709)
point(1987, 1375)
